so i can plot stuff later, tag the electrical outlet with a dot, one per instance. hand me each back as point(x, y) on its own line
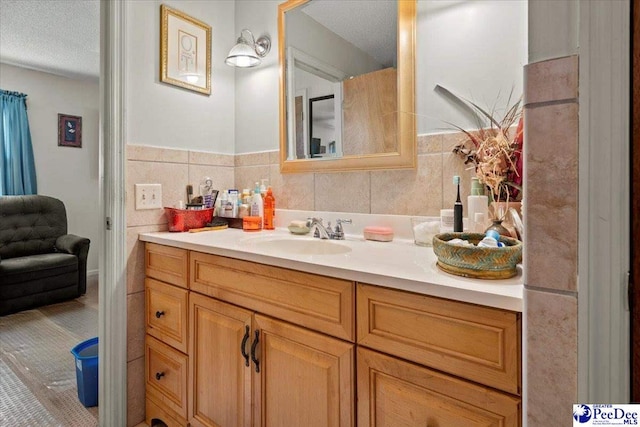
point(148, 196)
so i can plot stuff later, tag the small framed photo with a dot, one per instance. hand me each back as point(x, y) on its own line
point(69, 131)
point(185, 51)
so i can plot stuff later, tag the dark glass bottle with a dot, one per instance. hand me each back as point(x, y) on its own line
point(497, 226)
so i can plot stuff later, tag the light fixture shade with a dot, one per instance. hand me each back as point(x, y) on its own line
point(242, 55)
point(247, 54)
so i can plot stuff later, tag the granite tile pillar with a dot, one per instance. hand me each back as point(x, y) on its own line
point(551, 240)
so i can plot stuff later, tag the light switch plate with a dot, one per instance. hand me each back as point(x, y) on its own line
point(148, 196)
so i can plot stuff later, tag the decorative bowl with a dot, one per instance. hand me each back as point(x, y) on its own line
point(474, 261)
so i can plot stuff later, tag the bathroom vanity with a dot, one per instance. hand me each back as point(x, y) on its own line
point(241, 332)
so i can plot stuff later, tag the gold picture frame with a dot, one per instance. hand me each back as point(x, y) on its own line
point(185, 51)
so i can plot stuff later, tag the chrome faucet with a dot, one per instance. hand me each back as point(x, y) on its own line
point(320, 231)
point(338, 234)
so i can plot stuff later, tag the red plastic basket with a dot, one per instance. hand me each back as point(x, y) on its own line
point(186, 219)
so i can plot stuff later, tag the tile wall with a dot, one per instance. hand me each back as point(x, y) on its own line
point(423, 191)
point(551, 212)
point(173, 169)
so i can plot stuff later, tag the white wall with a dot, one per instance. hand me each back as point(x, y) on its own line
point(553, 30)
point(163, 115)
point(474, 48)
point(257, 89)
point(69, 174)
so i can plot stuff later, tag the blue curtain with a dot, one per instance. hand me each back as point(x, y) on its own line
point(17, 167)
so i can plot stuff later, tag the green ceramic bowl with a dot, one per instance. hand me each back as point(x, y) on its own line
point(474, 261)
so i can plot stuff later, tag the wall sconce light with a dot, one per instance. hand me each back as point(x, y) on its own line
point(247, 54)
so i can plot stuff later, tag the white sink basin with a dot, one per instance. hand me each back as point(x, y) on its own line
point(298, 246)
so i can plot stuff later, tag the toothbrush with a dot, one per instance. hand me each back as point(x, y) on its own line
point(457, 207)
point(189, 193)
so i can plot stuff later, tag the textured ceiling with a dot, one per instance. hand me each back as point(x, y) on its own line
point(57, 36)
point(63, 36)
point(369, 25)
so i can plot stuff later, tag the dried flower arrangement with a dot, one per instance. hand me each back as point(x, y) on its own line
point(494, 151)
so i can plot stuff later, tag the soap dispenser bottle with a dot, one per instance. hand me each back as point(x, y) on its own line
point(263, 188)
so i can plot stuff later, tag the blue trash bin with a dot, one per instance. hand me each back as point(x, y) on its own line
point(86, 355)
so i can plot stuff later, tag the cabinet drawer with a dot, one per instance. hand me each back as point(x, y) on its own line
point(166, 376)
point(167, 264)
point(153, 414)
point(317, 302)
point(393, 392)
point(478, 343)
point(166, 313)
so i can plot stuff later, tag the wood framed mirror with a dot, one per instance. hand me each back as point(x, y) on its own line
point(369, 90)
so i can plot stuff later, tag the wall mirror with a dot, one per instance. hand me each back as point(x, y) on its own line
point(347, 85)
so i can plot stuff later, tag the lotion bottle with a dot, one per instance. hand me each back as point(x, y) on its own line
point(257, 207)
point(477, 202)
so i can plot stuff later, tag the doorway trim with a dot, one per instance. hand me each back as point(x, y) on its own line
point(603, 216)
point(635, 200)
point(112, 323)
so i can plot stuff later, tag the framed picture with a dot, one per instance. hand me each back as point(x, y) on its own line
point(185, 51)
point(69, 131)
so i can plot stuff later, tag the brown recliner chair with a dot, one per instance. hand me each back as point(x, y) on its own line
point(40, 263)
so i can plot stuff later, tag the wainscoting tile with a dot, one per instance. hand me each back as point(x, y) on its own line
point(135, 256)
point(274, 157)
point(222, 177)
point(552, 80)
point(247, 176)
point(172, 176)
point(211, 159)
point(156, 154)
point(552, 360)
point(551, 196)
point(343, 192)
point(409, 192)
point(450, 140)
point(135, 392)
point(135, 325)
point(292, 190)
point(429, 144)
point(252, 159)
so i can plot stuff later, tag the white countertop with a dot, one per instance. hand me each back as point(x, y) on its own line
point(399, 264)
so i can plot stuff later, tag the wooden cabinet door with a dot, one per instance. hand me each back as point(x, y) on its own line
point(369, 110)
point(220, 377)
point(304, 379)
point(395, 393)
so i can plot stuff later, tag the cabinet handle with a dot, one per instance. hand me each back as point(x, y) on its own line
point(253, 352)
point(159, 375)
point(242, 346)
point(159, 314)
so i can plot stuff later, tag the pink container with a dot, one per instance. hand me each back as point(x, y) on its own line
point(186, 219)
point(380, 234)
